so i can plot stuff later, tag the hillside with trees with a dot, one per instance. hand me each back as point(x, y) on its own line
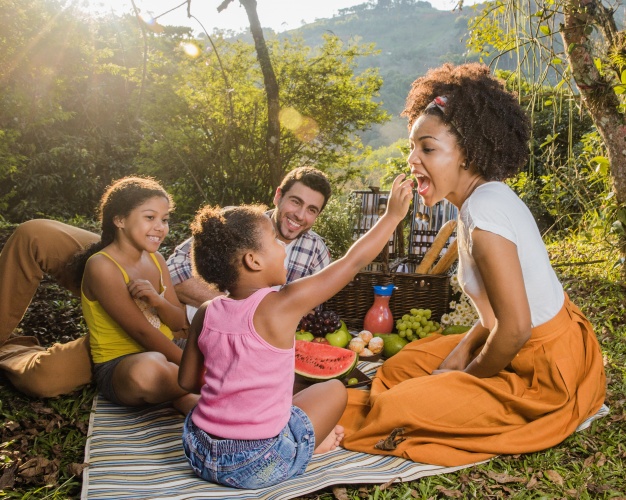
point(409, 36)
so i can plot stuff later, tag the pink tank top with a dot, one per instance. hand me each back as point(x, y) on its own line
point(248, 383)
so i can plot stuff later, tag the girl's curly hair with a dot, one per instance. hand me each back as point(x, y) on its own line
point(486, 119)
point(220, 237)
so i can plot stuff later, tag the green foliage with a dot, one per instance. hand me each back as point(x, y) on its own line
point(211, 148)
point(397, 165)
point(67, 122)
point(573, 193)
point(79, 110)
point(410, 38)
point(372, 169)
point(334, 224)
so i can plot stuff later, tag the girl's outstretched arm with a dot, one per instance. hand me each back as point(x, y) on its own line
point(279, 313)
point(192, 364)
point(168, 307)
point(103, 282)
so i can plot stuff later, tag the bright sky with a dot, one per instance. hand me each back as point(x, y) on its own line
point(279, 15)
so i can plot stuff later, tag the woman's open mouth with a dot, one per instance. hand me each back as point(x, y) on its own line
point(423, 183)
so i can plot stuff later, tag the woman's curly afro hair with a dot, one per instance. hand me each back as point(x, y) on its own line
point(220, 237)
point(487, 119)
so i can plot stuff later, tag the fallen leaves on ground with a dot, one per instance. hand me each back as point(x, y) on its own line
point(554, 476)
point(503, 478)
point(340, 493)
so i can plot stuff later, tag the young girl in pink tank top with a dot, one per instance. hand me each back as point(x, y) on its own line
point(247, 430)
point(128, 302)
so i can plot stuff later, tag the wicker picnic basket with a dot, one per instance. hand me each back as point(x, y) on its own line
point(421, 291)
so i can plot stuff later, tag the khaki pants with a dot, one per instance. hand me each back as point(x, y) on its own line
point(39, 247)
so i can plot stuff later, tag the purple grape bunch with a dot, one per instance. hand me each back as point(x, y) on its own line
point(319, 323)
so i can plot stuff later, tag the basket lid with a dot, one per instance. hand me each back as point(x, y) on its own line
point(384, 290)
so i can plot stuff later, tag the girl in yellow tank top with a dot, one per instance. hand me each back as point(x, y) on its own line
point(129, 304)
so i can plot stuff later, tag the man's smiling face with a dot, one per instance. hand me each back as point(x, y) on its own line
point(296, 211)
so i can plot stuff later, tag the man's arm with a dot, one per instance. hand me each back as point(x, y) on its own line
point(189, 289)
point(195, 292)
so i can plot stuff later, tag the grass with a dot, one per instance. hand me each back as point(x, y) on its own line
point(50, 434)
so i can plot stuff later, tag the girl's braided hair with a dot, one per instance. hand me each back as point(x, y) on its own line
point(487, 120)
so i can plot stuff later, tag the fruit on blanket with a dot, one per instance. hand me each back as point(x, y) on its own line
point(416, 324)
point(353, 380)
point(357, 345)
point(455, 329)
point(366, 336)
point(376, 345)
point(302, 335)
point(393, 343)
point(366, 345)
point(340, 337)
point(318, 362)
point(319, 323)
point(320, 340)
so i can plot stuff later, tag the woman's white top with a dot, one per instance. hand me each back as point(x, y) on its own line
point(495, 207)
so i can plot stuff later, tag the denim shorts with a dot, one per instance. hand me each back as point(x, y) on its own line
point(251, 464)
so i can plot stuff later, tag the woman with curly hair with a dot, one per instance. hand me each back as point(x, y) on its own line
point(530, 370)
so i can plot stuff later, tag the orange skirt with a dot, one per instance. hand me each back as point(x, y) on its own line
point(555, 382)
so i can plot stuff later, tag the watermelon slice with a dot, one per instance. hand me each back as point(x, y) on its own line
point(318, 362)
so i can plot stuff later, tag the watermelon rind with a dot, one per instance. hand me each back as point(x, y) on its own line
point(318, 362)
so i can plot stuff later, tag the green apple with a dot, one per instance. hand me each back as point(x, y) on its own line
point(302, 335)
point(340, 337)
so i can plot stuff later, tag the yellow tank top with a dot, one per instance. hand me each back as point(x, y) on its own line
point(107, 339)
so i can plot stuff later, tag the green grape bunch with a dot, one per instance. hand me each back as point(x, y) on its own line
point(416, 325)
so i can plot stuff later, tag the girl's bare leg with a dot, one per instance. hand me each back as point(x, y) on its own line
point(149, 378)
point(324, 404)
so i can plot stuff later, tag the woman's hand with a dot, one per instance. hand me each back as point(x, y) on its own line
point(460, 357)
point(466, 350)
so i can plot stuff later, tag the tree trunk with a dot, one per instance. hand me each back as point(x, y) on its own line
point(271, 90)
point(596, 92)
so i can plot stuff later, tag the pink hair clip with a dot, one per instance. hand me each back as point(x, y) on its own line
point(440, 101)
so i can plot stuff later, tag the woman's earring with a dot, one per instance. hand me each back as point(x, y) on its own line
point(465, 166)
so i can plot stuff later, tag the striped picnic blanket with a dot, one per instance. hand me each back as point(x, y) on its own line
point(137, 453)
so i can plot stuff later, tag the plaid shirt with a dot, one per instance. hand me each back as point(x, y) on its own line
point(306, 255)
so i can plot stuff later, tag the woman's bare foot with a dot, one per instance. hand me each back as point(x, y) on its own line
point(332, 440)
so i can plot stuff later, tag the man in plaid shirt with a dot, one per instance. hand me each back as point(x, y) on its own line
point(299, 199)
